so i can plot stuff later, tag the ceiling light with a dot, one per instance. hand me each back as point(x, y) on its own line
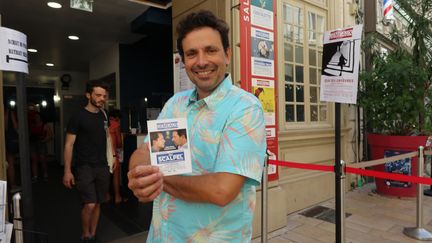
point(73, 37)
point(54, 5)
point(49, 64)
point(44, 103)
point(31, 50)
point(12, 103)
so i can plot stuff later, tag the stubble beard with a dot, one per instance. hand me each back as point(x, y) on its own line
point(95, 104)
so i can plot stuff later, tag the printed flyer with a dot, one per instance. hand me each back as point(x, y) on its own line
point(340, 65)
point(169, 146)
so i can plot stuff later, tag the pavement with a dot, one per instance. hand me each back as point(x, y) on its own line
point(370, 218)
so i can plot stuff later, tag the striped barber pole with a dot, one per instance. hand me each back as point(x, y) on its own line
point(388, 9)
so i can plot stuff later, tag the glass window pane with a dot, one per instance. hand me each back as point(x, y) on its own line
point(288, 51)
point(289, 74)
point(319, 39)
point(312, 38)
point(298, 34)
point(299, 93)
point(289, 92)
point(299, 54)
point(313, 95)
point(289, 113)
point(299, 74)
point(288, 32)
point(323, 112)
point(320, 59)
point(320, 24)
point(312, 57)
point(286, 13)
point(311, 21)
point(297, 14)
point(300, 113)
point(314, 113)
point(312, 75)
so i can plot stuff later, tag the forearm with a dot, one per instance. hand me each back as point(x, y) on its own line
point(67, 158)
point(215, 188)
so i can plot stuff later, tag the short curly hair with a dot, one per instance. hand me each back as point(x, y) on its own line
point(200, 19)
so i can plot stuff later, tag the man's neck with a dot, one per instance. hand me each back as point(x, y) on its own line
point(90, 107)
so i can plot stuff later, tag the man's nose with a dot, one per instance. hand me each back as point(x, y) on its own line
point(202, 59)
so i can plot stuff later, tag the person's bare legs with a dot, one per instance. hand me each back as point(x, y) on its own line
point(94, 220)
point(116, 186)
point(87, 213)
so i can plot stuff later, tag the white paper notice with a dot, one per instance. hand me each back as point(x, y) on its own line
point(341, 59)
point(181, 80)
point(13, 50)
point(169, 146)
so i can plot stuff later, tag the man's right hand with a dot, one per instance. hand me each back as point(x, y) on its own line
point(68, 180)
point(146, 182)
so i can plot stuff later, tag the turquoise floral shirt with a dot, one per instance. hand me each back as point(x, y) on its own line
point(226, 134)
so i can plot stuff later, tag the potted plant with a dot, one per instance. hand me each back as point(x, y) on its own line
point(395, 96)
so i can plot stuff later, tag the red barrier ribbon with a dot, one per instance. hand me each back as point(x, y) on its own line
point(371, 173)
point(298, 165)
point(389, 176)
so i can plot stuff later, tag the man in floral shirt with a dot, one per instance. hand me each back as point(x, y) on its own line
point(214, 203)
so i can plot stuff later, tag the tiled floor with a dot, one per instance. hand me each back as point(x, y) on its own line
point(374, 218)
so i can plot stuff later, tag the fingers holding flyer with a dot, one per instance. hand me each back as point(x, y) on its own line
point(169, 145)
point(146, 182)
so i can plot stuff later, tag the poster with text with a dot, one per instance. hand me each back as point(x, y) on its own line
point(181, 80)
point(262, 13)
point(340, 65)
point(169, 146)
point(264, 90)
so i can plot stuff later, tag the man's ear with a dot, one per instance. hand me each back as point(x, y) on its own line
point(228, 55)
point(88, 95)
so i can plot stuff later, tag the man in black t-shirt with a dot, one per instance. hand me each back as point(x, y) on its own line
point(86, 137)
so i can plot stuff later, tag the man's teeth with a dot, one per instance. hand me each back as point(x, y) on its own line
point(204, 73)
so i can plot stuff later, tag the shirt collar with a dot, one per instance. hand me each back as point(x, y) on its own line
point(218, 94)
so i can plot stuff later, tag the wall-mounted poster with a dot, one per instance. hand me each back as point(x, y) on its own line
point(262, 13)
point(181, 80)
point(264, 90)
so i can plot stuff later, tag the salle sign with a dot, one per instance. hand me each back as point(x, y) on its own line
point(13, 51)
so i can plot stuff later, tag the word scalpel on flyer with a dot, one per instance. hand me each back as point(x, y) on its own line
point(169, 146)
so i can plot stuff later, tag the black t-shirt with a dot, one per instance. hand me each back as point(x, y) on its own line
point(90, 142)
